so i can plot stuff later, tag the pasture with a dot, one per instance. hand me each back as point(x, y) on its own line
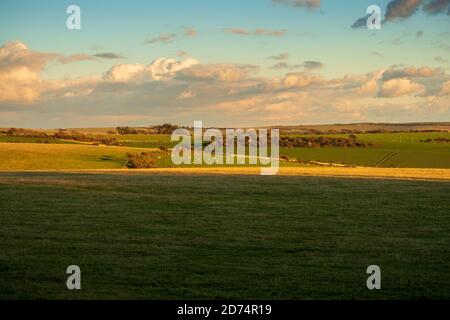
point(165, 236)
point(36, 156)
point(392, 150)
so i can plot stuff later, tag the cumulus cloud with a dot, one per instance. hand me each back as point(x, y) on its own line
point(159, 69)
point(20, 75)
point(19, 72)
point(367, 84)
point(299, 80)
point(16, 54)
point(127, 72)
point(218, 72)
point(400, 87)
point(170, 90)
point(430, 78)
point(411, 72)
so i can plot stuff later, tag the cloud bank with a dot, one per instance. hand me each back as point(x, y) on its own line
point(219, 93)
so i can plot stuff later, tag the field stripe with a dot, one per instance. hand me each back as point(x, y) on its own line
point(342, 172)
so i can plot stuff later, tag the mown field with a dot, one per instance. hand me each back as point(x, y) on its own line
point(162, 236)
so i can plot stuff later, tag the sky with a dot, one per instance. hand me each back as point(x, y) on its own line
point(228, 63)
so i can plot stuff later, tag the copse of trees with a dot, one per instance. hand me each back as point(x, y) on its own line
point(318, 142)
point(127, 130)
point(18, 132)
point(165, 128)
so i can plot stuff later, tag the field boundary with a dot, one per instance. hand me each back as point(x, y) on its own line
point(341, 172)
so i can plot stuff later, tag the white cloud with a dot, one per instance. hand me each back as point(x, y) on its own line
point(19, 72)
point(177, 91)
point(159, 69)
point(400, 87)
point(412, 72)
point(299, 80)
point(219, 72)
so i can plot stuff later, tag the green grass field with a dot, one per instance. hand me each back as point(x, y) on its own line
point(206, 237)
point(35, 156)
point(33, 140)
point(393, 150)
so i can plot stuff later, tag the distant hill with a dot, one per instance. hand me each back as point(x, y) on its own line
point(320, 128)
point(367, 127)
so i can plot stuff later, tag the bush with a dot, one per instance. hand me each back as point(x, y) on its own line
point(140, 161)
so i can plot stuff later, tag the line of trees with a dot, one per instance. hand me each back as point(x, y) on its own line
point(166, 128)
point(317, 142)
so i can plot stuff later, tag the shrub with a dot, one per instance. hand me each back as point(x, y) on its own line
point(140, 161)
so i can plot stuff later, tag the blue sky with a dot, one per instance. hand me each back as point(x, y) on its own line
point(321, 34)
point(123, 26)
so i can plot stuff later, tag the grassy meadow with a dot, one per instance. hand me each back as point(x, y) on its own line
point(34, 156)
point(168, 236)
point(392, 150)
point(225, 233)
